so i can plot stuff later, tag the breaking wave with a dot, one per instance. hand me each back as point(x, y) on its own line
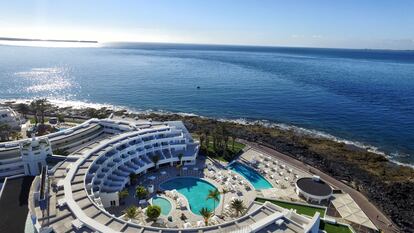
point(76, 104)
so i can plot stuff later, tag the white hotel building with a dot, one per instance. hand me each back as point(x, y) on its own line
point(73, 195)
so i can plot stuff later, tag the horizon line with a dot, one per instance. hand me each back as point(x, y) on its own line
point(16, 39)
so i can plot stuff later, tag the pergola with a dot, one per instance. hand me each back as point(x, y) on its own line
point(350, 211)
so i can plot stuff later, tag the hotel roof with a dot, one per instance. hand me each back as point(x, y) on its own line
point(316, 187)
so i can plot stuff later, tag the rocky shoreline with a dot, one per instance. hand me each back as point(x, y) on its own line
point(388, 185)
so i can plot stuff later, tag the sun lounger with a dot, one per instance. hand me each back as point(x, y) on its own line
point(187, 225)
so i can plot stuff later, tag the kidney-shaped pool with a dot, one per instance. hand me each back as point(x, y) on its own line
point(194, 189)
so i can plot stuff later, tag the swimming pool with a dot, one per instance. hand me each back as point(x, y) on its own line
point(257, 180)
point(163, 203)
point(194, 189)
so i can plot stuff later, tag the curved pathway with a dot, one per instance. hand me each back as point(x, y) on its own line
point(376, 216)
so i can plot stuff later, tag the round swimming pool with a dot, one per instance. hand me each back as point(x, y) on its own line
point(195, 190)
point(163, 203)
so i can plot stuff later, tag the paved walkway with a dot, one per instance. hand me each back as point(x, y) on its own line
point(218, 169)
point(376, 216)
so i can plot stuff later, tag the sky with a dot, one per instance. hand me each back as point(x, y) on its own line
point(381, 24)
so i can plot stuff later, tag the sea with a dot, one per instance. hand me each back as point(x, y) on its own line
point(360, 97)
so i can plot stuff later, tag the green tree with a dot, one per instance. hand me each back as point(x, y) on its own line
point(131, 212)
point(155, 159)
point(60, 152)
point(24, 109)
point(214, 194)
point(34, 110)
point(123, 194)
point(202, 139)
point(43, 105)
point(39, 107)
point(16, 135)
point(206, 214)
point(5, 131)
point(180, 158)
point(133, 178)
point(224, 191)
point(60, 118)
point(206, 133)
point(153, 212)
point(141, 192)
point(225, 136)
point(238, 206)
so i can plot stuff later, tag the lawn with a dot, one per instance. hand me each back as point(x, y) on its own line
point(334, 228)
point(300, 209)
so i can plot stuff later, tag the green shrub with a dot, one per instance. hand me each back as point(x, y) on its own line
point(153, 212)
point(141, 192)
point(123, 194)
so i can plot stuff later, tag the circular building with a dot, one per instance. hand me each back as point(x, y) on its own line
point(313, 189)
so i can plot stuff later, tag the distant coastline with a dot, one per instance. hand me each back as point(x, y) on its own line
point(46, 40)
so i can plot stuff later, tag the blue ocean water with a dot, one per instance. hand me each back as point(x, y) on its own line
point(364, 96)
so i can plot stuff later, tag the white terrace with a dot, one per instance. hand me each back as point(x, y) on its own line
point(82, 192)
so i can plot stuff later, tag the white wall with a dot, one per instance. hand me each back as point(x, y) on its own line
point(106, 199)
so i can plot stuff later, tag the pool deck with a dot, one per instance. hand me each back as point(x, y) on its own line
point(78, 192)
point(282, 176)
point(373, 213)
point(199, 170)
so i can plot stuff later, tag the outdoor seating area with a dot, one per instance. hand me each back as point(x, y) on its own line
point(281, 175)
point(181, 215)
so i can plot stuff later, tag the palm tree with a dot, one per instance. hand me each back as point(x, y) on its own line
point(133, 178)
point(215, 136)
point(233, 139)
point(207, 141)
point(42, 106)
point(223, 191)
point(180, 158)
point(225, 135)
point(16, 135)
point(131, 212)
point(207, 214)
point(214, 194)
point(141, 192)
point(34, 110)
point(123, 194)
point(238, 206)
point(155, 158)
point(202, 139)
point(24, 109)
point(5, 131)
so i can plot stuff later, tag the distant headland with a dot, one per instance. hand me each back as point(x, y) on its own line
point(47, 40)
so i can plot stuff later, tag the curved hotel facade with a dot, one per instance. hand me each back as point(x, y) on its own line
point(74, 195)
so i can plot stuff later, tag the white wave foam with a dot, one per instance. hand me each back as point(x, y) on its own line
point(76, 104)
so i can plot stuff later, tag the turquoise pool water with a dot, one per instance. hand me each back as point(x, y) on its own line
point(194, 189)
point(257, 180)
point(163, 203)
